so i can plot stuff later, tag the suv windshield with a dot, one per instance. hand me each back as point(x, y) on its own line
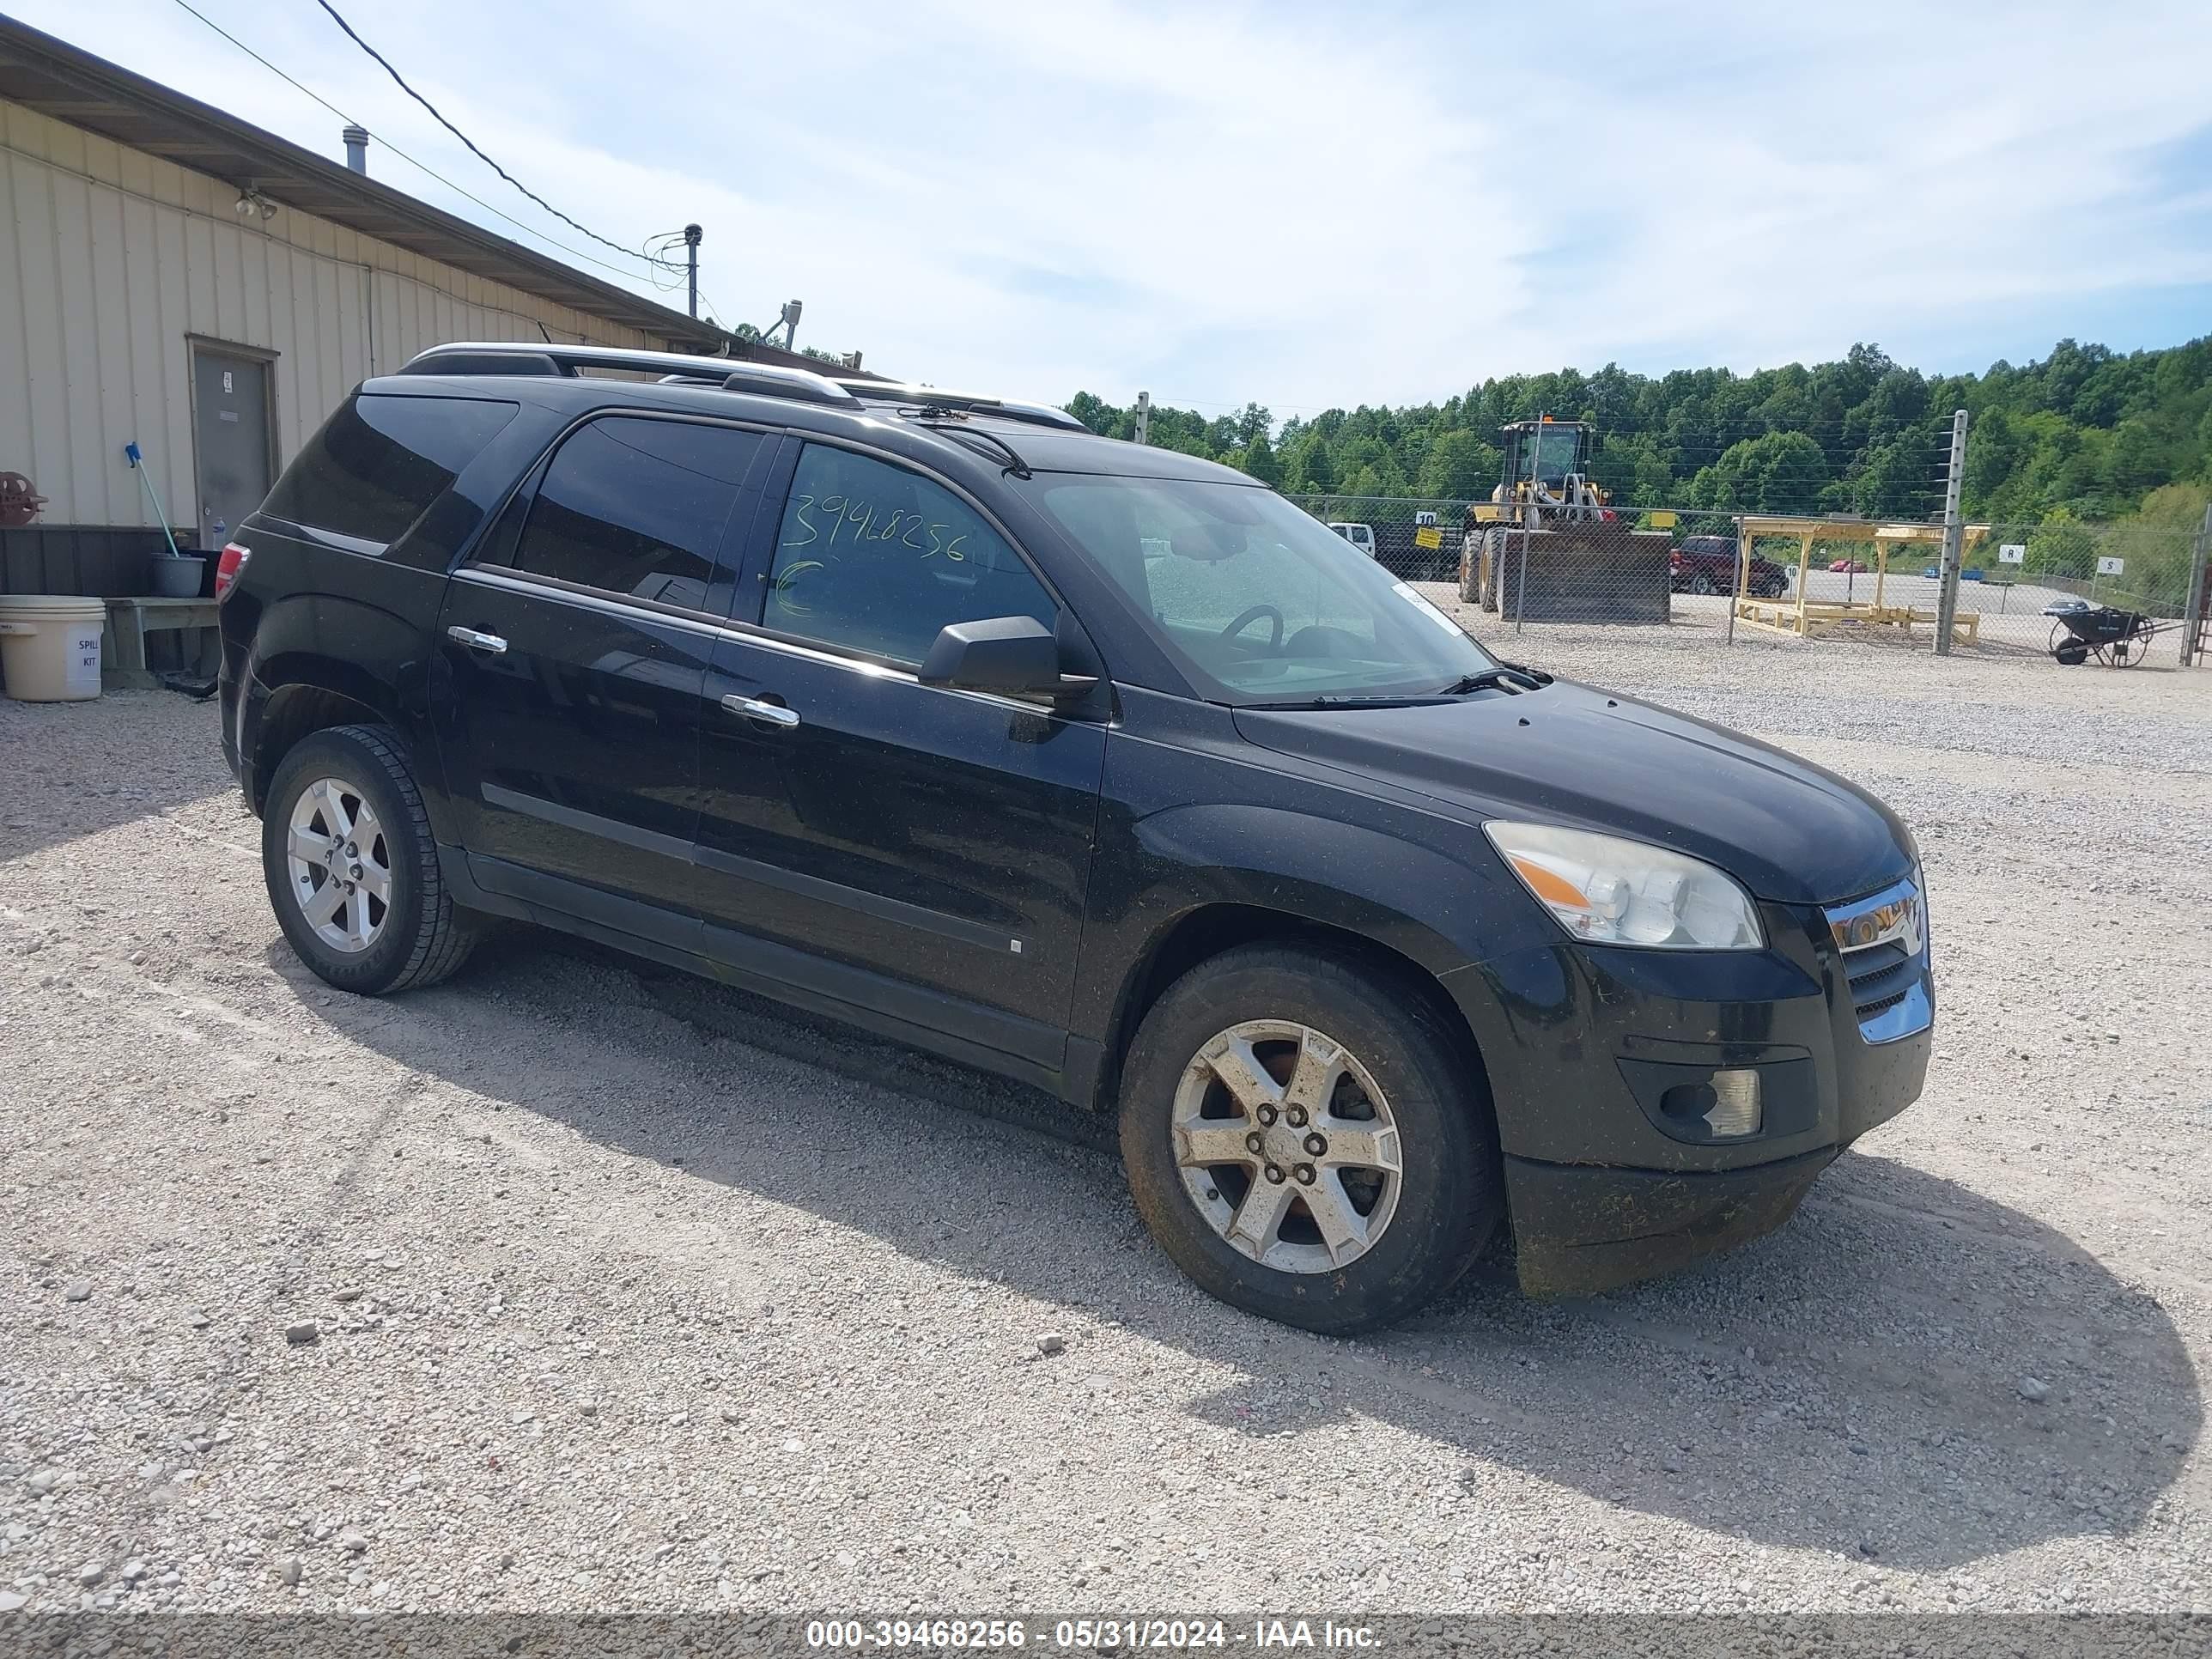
point(1257, 601)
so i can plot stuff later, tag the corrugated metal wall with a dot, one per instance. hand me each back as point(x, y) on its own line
point(110, 260)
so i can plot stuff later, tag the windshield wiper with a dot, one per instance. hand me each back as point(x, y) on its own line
point(1403, 699)
point(1506, 676)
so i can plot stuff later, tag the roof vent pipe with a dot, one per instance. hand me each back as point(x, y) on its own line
point(356, 144)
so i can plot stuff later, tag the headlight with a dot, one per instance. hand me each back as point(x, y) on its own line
point(1612, 891)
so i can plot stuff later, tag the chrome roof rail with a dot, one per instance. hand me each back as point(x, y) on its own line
point(668, 367)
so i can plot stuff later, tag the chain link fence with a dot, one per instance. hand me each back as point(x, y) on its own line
point(1726, 574)
point(2016, 580)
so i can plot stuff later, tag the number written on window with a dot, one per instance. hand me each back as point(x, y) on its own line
point(876, 559)
point(855, 520)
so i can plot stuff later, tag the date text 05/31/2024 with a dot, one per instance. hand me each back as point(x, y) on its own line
point(1090, 1634)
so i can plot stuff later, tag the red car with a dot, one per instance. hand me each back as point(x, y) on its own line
point(1707, 564)
point(1850, 566)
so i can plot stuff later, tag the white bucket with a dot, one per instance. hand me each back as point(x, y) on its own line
point(50, 647)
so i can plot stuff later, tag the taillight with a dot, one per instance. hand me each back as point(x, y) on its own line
point(228, 567)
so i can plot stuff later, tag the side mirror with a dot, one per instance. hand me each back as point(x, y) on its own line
point(1014, 654)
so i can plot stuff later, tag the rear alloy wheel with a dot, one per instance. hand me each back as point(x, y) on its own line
point(1703, 584)
point(351, 869)
point(340, 865)
point(1306, 1140)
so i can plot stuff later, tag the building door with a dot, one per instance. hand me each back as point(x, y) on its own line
point(230, 435)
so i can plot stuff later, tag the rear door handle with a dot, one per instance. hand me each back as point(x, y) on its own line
point(753, 708)
point(476, 641)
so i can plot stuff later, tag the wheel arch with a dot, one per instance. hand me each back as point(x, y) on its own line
point(297, 694)
point(1210, 929)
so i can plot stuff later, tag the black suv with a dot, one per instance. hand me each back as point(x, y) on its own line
point(1088, 763)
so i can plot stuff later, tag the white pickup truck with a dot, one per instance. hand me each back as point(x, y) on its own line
point(1361, 536)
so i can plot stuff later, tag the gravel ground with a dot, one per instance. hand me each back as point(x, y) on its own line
point(627, 1291)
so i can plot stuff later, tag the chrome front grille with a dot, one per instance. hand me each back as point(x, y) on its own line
point(1883, 942)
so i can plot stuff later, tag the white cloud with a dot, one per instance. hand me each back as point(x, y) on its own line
point(1296, 204)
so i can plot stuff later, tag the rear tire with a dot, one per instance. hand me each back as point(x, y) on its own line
point(344, 818)
point(1314, 1227)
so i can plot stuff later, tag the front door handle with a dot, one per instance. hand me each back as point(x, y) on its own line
point(753, 708)
point(476, 641)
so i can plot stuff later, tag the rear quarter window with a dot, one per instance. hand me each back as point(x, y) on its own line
point(379, 462)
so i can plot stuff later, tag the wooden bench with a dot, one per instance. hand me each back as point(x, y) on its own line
point(122, 641)
point(1823, 616)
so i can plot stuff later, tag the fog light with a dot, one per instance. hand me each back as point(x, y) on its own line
point(1735, 1109)
point(1728, 1107)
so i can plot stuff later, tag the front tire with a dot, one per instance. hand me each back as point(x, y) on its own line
point(1305, 1141)
point(352, 869)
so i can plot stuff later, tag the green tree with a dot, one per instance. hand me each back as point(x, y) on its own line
point(1258, 459)
point(1459, 466)
point(2063, 546)
point(1781, 472)
point(2085, 428)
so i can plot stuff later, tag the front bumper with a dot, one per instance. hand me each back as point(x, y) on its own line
point(1577, 1231)
point(1580, 1043)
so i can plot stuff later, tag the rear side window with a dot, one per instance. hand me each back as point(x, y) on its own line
point(639, 508)
point(380, 461)
point(876, 559)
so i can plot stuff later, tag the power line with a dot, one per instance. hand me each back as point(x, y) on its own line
point(420, 166)
point(402, 81)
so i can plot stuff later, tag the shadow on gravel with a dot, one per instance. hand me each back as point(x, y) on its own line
point(1855, 1384)
point(65, 768)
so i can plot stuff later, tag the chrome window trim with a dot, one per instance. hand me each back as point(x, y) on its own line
point(698, 621)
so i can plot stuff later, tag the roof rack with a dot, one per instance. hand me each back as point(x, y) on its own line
point(731, 373)
point(668, 367)
point(936, 397)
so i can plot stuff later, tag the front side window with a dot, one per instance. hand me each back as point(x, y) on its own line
point(379, 463)
point(876, 559)
point(1259, 602)
point(639, 507)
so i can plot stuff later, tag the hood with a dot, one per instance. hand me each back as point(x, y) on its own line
point(1788, 830)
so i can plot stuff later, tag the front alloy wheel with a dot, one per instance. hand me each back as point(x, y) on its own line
point(1307, 1135)
point(1287, 1146)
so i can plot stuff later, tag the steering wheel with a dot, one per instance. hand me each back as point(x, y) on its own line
point(1245, 618)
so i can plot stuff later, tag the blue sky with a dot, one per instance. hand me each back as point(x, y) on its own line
point(1303, 204)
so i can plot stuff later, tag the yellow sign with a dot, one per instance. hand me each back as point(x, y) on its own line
point(1663, 521)
point(1428, 536)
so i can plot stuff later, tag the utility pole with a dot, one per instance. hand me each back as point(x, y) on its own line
point(1528, 518)
point(1954, 536)
point(691, 234)
point(2193, 627)
point(1144, 418)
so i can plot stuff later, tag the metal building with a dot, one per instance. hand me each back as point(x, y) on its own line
point(175, 276)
